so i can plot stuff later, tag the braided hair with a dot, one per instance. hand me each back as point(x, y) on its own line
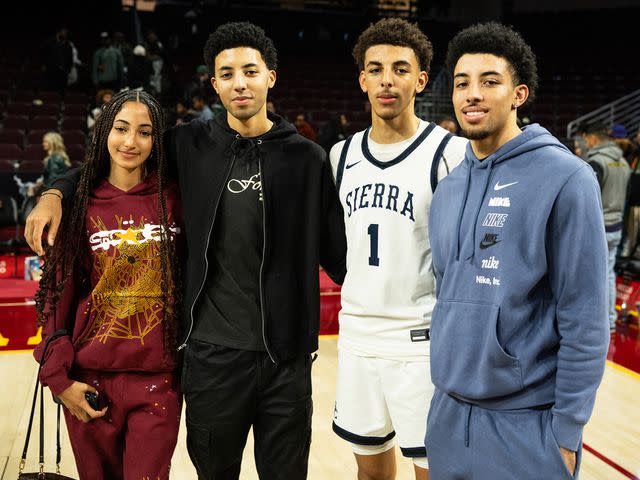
point(64, 260)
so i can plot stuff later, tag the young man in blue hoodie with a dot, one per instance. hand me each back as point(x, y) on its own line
point(519, 331)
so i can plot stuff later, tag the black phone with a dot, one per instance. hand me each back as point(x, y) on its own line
point(93, 400)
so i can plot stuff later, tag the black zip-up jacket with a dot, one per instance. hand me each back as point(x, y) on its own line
point(303, 223)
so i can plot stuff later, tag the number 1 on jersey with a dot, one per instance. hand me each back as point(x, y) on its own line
point(373, 233)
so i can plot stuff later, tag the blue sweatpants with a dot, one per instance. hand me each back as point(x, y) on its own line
point(466, 442)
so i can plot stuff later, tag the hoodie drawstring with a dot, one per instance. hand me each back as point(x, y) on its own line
point(464, 204)
point(466, 424)
point(484, 192)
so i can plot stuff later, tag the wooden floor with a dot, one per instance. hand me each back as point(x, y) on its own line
point(614, 430)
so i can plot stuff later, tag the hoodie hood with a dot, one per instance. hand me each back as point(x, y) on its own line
point(280, 129)
point(105, 190)
point(608, 149)
point(532, 138)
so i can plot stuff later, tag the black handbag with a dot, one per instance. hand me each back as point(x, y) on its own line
point(42, 475)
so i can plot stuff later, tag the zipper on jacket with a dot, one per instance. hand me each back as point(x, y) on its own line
point(206, 261)
point(264, 248)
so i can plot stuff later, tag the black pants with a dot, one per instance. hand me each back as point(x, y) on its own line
point(226, 392)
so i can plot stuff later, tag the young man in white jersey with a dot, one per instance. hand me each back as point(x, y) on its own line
point(385, 177)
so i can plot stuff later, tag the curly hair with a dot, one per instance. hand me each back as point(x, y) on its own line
point(240, 34)
point(65, 261)
point(397, 32)
point(499, 40)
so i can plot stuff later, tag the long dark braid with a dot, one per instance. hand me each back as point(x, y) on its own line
point(64, 261)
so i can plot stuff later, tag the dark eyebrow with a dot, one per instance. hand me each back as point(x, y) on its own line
point(248, 65)
point(397, 63)
point(483, 74)
point(141, 125)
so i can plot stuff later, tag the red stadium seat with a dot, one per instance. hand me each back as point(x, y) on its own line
point(19, 108)
point(48, 122)
point(74, 136)
point(76, 153)
point(75, 110)
point(34, 152)
point(12, 135)
point(16, 121)
point(34, 137)
point(74, 123)
point(10, 151)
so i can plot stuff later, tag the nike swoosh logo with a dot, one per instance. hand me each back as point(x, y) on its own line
point(500, 187)
point(484, 245)
point(352, 165)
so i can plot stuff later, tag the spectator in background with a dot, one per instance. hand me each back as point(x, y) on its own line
point(57, 60)
point(449, 124)
point(200, 107)
point(636, 150)
point(304, 128)
point(72, 77)
point(122, 44)
point(182, 113)
point(103, 96)
point(271, 107)
point(200, 83)
point(108, 65)
point(619, 135)
point(613, 173)
point(57, 162)
point(139, 70)
point(580, 147)
point(335, 130)
point(156, 54)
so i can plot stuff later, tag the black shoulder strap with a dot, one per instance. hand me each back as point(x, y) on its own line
point(51, 338)
point(343, 159)
point(436, 161)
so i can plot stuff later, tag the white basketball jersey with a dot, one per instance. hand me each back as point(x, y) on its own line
point(389, 290)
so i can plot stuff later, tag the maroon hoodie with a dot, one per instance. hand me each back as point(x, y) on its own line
point(118, 316)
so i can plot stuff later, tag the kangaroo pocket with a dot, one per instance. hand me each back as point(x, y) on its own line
point(466, 357)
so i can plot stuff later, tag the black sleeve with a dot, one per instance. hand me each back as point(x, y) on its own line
point(68, 183)
point(599, 172)
point(333, 240)
point(170, 152)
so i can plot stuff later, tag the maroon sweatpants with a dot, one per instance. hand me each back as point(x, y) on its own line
point(136, 438)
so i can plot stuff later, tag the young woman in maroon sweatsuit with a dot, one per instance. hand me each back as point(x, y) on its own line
point(109, 289)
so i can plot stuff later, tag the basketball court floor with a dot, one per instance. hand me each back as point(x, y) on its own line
point(612, 437)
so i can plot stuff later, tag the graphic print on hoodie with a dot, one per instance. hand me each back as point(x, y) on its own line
point(126, 306)
point(126, 264)
point(520, 256)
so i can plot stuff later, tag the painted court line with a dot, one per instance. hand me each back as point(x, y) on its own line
point(622, 369)
point(610, 462)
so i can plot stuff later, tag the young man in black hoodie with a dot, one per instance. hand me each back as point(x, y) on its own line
point(261, 212)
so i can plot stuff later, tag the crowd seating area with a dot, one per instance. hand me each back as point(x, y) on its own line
point(320, 85)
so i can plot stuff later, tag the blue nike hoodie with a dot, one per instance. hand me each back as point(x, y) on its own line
point(520, 257)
